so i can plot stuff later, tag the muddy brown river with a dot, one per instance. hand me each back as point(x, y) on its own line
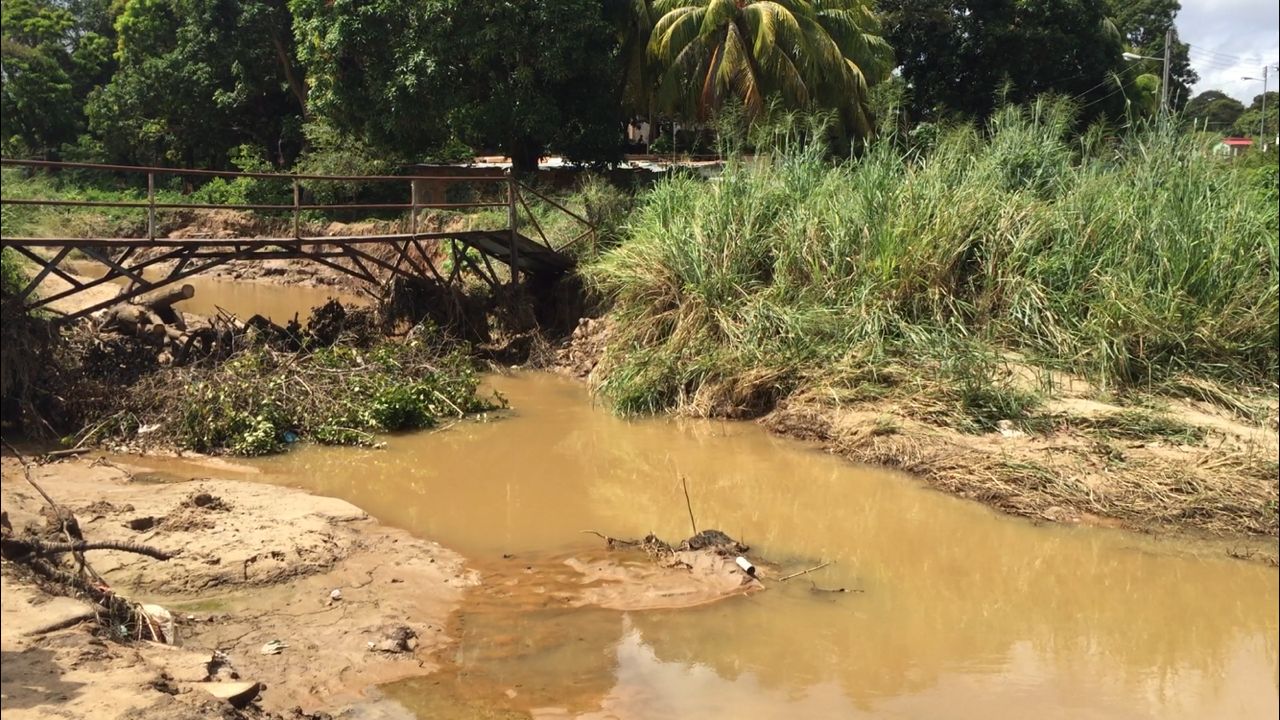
point(279, 303)
point(959, 612)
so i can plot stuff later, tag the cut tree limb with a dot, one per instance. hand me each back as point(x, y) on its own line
point(167, 296)
point(14, 547)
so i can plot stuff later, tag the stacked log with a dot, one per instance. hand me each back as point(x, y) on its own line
point(179, 339)
point(154, 318)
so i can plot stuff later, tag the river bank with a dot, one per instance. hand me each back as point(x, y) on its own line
point(258, 563)
point(544, 632)
point(1183, 467)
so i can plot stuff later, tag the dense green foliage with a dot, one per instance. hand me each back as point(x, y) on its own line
point(1131, 262)
point(1143, 24)
point(519, 78)
point(52, 59)
point(962, 59)
point(821, 55)
point(1249, 124)
point(198, 78)
point(316, 84)
point(251, 404)
point(1213, 111)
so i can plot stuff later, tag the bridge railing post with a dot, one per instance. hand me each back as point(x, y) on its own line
point(514, 250)
point(413, 208)
point(151, 206)
point(297, 207)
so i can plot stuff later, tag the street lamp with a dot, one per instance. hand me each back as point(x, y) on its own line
point(1164, 82)
point(1262, 126)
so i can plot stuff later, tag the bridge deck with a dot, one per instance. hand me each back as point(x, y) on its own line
point(403, 254)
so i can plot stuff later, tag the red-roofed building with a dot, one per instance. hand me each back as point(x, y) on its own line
point(1233, 146)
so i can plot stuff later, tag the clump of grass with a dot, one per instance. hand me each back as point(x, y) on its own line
point(1129, 263)
point(1143, 425)
point(12, 274)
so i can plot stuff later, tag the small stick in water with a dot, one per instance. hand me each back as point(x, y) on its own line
point(805, 572)
point(688, 505)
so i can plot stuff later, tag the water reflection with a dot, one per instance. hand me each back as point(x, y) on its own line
point(964, 613)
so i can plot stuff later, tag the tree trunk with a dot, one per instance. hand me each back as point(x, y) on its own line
point(296, 85)
point(525, 154)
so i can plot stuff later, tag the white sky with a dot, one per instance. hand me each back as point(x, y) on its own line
point(1230, 39)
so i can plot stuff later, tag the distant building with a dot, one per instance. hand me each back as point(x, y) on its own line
point(1233, 146)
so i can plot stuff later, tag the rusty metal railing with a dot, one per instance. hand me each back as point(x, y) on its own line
point(188, 252)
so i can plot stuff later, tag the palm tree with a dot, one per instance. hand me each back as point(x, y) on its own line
point(805, 53)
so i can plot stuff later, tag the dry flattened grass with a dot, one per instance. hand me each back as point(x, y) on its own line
point(1222, 492)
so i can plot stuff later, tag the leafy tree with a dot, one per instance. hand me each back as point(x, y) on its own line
point(632, 21)
point(197, 79)
point(525, 78)
point(962, 58)
point(823, 54)
point(1249, 124)
point(373, 79)
point(50, 59)
point(1143, 24)
point(532, 78)
point(1213, 110)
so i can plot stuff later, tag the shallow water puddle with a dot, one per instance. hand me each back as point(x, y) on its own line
point(963, 613)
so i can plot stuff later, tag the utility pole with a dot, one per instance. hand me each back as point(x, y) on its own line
point(1164, 84)
point(1262, 124)
point(1262, 131)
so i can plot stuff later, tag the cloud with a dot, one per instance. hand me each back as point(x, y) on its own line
point(1232, 39)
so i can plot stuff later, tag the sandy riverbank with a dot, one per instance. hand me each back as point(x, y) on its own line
point(257, 564)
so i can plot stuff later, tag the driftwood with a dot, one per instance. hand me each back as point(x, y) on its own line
point(167, 296)
point(161, 303)
point(41, 557)
point(14, 548)
point(805, 572)
point(153, 319)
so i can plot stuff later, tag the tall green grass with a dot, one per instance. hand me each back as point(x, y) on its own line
point(1129, 261)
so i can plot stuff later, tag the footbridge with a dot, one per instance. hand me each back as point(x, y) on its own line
point(496, 221)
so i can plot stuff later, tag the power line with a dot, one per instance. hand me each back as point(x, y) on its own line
point(1215, 62)
point(1227, 57)
point(1119, 89)
point(1082, 95)
point(1230, 57)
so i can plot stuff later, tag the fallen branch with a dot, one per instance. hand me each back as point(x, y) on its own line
point(57, 454)
point(688, 505)
point(26, 472)
point(85, 581)
point(15, 547)
point(611, 540)
point(805, 572)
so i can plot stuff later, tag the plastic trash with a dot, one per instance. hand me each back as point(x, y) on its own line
point(335, 595)
point(290, 437)
point(746, 565)
point(161, 621)
point(275, 647)
point(239, 694)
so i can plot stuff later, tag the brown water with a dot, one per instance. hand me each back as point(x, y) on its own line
point(964, 613)
point(278, 303)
